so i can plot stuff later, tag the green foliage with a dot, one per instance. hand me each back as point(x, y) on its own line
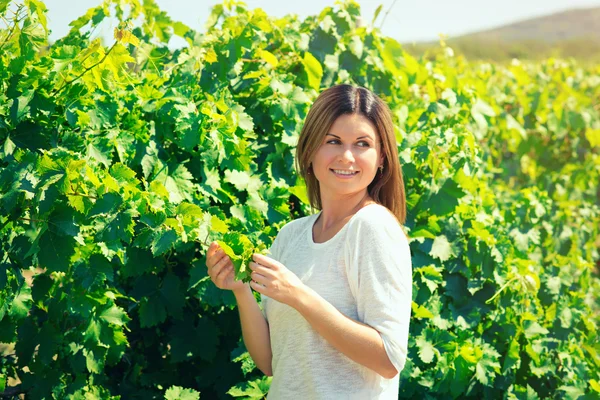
point(256, 389)
point(584, 49)
point(179, 393)
point(240, 249)
point(120, 165)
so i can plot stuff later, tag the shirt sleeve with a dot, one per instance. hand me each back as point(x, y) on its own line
point(379, 269)
point(274, 253)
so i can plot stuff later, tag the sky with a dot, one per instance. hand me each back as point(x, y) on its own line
point(408, 21)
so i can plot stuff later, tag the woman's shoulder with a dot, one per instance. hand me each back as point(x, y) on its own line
point(376, 214)
point(377, 209)
point(375, 219)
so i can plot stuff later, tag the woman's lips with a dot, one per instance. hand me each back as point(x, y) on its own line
point(345, 176)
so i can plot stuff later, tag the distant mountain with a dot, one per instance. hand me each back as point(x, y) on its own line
point(566, 25)
point(572, 33)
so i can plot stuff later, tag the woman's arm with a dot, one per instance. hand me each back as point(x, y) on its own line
point(359, 342)
point(255, 330)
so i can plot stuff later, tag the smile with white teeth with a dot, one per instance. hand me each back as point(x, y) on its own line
point(342, 172)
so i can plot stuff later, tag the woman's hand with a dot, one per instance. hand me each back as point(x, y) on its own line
point(220, 269)
point(273, 279)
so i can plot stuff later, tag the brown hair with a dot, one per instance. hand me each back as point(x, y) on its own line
point(387, 189)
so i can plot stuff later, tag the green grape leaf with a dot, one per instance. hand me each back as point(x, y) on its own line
point(419, 311)
point(426, 350)
point(256, 389)
point(94, 359)
point(163, 241)
point(114, 315)
point(21, 304)
point(173, 295)
point(441, 248)
point(313, 69)
point(377, 11)
point(179, 393)
point(152, 312)
point(55, 251)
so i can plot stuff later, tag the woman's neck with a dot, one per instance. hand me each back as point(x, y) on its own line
point(335, 211)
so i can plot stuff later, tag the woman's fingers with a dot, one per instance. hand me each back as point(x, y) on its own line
point(225, 270)
point(260, 269)
point(258, 273)
point(214, 250)
point(212, 261)
point(214, 258)
point(258, 278)
point(217, 267)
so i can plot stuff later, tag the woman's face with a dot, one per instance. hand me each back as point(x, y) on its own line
point(352, 144)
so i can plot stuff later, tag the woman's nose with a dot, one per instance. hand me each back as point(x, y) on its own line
point(347, 154)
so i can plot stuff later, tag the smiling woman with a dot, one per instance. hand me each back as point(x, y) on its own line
point(337, 288)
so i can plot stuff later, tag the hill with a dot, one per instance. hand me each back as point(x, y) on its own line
point(583, 23)
point(570, 33)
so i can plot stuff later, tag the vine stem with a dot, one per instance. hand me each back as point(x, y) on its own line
point(31, 219)
point(82, 195)
point(66, 83)
point(501, 289)
point(12, 29)
point(204, 242)
point(386, 14)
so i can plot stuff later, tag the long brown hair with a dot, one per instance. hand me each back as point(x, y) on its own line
point(386, 189)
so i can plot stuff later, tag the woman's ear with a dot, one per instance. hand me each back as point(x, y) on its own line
point(381, 155)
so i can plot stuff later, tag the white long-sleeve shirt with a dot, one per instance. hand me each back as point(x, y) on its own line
point(365, 272)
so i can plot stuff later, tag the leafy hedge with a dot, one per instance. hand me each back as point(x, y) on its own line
point(120, 163)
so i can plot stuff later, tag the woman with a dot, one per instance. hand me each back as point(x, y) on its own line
point(337, 287)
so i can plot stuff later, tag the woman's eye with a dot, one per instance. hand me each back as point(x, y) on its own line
point(366, 144)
